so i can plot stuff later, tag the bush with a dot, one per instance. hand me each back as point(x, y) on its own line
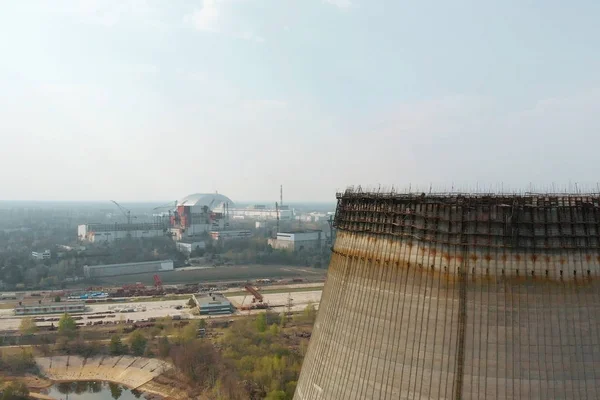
point(164, 347)
point(276, 395)
point(83, 348)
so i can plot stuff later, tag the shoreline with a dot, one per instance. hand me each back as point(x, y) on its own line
point(135, 373)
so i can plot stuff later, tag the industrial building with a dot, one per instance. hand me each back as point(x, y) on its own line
point(314, 217)
point(459, 296)
point(100, 271)
point(260, 212)
point(195, 215)
point(38, 308)
point(298, 240)
point(220, 236)
point(213, 304)
point(188, 246)
point(95, 233)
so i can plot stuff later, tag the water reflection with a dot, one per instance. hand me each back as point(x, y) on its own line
point(92, 390)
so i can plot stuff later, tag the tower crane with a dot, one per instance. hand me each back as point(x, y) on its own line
point(125, 212)
point(171, 206)
point(277, 214)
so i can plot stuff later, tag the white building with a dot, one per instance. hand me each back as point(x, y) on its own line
point(188, 247)
point(97, 271)
point(315, 217)
point(298, 240)
point(95, 233)
point(230, 235)
point(259, 212)
point(42, 255)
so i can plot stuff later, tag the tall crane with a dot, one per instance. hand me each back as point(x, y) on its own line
point(256, 295)
point(171, 206)
point(277, 214)
point(125, 212)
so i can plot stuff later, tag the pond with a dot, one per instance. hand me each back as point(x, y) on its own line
point(92, 390)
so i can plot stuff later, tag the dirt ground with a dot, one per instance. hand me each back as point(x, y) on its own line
point(144, 310)
point(279, 301)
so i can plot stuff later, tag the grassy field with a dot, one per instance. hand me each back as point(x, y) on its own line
point(219, 274)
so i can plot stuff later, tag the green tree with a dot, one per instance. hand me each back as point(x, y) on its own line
point(57, 299)
point(138, 342)
point(65, 387)
point(67, 326)
point(115, 390)
point(28, 326)
point(189, 333)
point(164, 347)
point(202, 324)
point(95, 386)
point(116, 346)
point(308, 316)
point(18, 363)
point(261, 322)
point(15, 391)
point(276, 395)
point(290, 388)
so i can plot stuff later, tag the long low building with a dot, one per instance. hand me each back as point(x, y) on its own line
point(258, 212)
point(95, 233)
point(230, 235)
point(49, 308)
point(99, 271)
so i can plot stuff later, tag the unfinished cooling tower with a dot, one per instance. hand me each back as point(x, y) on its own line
point(459, 296)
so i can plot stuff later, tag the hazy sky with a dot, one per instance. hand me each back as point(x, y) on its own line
point(153, 100)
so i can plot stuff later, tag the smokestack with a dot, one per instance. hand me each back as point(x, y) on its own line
point(461, 296)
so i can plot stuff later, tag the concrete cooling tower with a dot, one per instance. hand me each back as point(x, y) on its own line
point(459, 296)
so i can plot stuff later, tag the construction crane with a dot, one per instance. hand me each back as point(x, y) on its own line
point(257, 296)
point(125, 212)
point(171, 206)
point(277, 215)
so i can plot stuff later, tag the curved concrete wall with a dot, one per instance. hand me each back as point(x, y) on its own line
point(428, 315)
point(130, 371)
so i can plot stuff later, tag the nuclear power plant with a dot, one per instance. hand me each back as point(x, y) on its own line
point(459, 296)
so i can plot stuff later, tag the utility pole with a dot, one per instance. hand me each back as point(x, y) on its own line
point(281, 195)
point(290, 304)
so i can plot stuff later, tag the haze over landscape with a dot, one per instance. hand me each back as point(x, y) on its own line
point(299, 199)
point(140, 100)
